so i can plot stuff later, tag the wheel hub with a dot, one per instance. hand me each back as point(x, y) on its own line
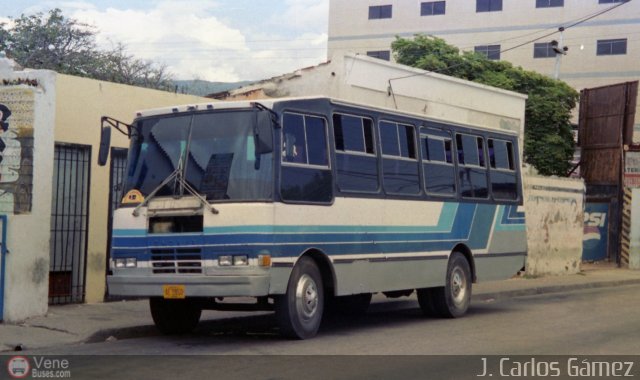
point(458, 286)
point(306, 297)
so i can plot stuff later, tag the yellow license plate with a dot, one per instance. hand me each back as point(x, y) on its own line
point(173, 291)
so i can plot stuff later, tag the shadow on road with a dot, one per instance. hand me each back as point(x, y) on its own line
point(263, 327)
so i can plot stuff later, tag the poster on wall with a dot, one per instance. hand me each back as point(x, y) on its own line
point(16, 149)
point(596, 227)
point(632, 169)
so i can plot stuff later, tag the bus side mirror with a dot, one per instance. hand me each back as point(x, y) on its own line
point(264, 134)
point(105, 143)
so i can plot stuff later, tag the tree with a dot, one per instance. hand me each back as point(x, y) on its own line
point(67, 46)
point(548, 139)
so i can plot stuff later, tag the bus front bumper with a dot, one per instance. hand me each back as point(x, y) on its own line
point(194, 286)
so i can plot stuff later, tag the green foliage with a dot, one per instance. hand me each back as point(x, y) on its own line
point(54, 42)
point(548, 140)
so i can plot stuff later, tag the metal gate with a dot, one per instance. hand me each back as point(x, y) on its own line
point(116, 185)
point(69, 223)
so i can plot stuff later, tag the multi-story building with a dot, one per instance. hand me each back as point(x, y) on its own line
point(602, 36)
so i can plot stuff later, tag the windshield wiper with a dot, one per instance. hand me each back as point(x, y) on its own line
point(177, 176)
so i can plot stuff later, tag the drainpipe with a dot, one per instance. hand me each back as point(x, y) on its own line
point(3, 254)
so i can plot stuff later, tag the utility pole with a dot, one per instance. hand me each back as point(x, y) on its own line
point(560, 50)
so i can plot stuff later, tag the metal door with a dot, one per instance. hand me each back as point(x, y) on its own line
point(69, 223)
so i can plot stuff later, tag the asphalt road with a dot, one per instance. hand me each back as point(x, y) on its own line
point(588, 322)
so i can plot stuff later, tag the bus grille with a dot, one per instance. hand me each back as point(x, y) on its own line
point(177, 261)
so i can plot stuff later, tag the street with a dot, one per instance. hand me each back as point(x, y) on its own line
point(587, 322)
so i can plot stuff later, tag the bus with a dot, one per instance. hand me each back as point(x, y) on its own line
point(302, 205)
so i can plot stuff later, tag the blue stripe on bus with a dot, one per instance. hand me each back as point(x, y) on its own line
point(510, 219)
point(471, 224)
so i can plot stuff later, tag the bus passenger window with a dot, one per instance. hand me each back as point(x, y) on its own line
point(306, 176)
point(356, 162)
point(472, 174)
point(503, 175)
point(437, 162)
point(399, 165)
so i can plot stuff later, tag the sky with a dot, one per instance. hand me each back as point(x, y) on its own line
point(215, 40)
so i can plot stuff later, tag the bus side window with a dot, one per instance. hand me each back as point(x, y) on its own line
point(399, 162)
point(439, 172)
point(306, 176)
point(356, 161)
point(503, 174)
point(472, 172)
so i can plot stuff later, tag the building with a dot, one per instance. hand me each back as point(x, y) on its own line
point(54, 198)
point(602, 36)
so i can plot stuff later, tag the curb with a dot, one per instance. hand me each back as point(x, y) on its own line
point(554, 289)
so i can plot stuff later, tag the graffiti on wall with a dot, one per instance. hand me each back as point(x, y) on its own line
point(16, 149)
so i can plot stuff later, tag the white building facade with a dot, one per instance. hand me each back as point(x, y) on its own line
point(602, 36)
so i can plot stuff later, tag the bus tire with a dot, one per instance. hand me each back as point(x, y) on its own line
point(453, 299)
point(299, 311)
point(173, 317)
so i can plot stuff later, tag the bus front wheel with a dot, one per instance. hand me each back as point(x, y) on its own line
point(453, 299)
point(174, 316)
point(299, 311)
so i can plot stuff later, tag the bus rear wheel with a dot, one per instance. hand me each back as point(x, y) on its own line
point(299, 311)
point(174, 316)
point(453, 299)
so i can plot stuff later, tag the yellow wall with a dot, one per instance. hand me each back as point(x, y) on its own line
point(80, 103)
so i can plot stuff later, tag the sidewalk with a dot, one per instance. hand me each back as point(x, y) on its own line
point(70, 324)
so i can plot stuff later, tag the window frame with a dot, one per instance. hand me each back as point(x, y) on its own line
point(297, 166)
point(487, 50)
point(424, 6)
point(549, 52)
point(384, 55)
point(610, 43)
point(462, 165)
point(371, 155)
point(400, 156)
point(491, 6)
point(452, 164)
point(513, 169)
point(378, 12)
point(549, 4)
point(326, 132)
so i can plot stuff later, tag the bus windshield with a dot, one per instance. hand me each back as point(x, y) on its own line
point(215, 152)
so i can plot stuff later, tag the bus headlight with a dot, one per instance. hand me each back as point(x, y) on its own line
point(225, 261)
point(240, 260)
point(129, 262)
point(235, 260)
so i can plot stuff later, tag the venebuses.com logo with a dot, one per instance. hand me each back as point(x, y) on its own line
point(18, 367)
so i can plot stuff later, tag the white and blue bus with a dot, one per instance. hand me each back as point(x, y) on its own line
point(303, 203)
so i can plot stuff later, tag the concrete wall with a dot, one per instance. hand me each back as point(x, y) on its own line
point(25, 188)
point(80, 104)
point(45, 108)
point(554, 210)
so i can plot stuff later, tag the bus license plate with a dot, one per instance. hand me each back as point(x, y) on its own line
point(173, 291)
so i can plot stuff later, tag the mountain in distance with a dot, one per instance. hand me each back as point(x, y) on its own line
point(201, 87)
